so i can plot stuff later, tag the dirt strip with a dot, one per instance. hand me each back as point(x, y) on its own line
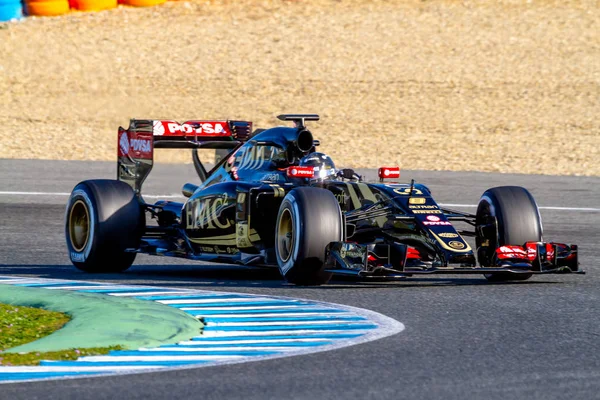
point(508, 86)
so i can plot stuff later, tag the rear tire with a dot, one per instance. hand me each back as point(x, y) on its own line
point(309, 219)
point(103, 218)
point(518, 221)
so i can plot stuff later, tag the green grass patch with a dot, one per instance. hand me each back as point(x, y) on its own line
point(34, 358)
point(20, 325)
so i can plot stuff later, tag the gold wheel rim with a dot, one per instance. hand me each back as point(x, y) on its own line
point(79, 225)
point(285, 235)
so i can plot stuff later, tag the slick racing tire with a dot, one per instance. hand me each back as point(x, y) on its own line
point(309, 219)
point(103, 218)
point(518, 221)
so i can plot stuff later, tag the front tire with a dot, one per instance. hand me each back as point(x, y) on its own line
point(103, 218)
point(309, 219)
point(518, 221)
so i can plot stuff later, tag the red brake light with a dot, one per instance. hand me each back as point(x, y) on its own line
point(389, 172)
point(300, 172)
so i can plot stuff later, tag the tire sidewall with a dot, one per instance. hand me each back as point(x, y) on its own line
point(290, 203)
point(317, 221)
point(82, 192)
point(489, 204)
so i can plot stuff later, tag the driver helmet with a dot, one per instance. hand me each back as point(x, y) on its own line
point(323, 165)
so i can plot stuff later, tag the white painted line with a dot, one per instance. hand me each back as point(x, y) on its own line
point(152, 196)
point(541, 208)
point(178, 196)
point(35, 193)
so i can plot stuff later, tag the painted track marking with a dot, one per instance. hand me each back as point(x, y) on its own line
point(178, 196)
point(238, 328)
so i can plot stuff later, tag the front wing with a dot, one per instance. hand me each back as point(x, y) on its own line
point(400, 260)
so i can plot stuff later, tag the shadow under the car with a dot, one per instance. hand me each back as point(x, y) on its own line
point(219, 276)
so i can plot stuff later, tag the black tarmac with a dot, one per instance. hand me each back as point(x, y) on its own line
point(464, 338)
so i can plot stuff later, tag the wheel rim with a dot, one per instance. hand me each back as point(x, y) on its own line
point(285, 235)
point(79, 225)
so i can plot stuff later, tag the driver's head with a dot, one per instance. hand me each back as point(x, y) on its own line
point(323, 165)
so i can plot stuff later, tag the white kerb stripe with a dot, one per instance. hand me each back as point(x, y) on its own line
point(279, 323)
point(287, 314)
point(124, 294)
point(118, 359)
point(184, 349)
point(240, 308)
point(74, 368)
point(218, 299)
point(252, 341)
point(217, 333)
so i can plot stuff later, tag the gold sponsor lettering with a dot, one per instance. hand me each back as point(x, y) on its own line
point(205, 213)
point(416, 200)
point(406, 191)
point(427, 207)
point(427, 212)
point(448, 235)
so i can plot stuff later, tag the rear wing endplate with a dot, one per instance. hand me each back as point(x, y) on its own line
point(136, 144)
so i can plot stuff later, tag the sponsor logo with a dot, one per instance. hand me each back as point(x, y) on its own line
point(433, 218)
point(205, 213)
point(140, 145)
point(341, 198)
point(436, 223)
point(455, 244)
point(270, 177)
point(427, 212)
point(124, 143)
point(158, 129)
point(302, 172)
point(77, 257)
point(427, 207)
point(448, 235)
point(417, 200)
point(206, 127)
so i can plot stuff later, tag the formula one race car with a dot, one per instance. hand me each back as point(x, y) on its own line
point(275, 201)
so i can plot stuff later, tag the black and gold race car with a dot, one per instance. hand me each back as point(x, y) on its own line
point(273, 200)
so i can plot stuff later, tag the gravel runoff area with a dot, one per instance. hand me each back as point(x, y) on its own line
point(503, 85)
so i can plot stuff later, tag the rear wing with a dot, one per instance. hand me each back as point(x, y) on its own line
point(136, 144)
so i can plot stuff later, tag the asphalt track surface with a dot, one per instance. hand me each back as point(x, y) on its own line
point(464, 338)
